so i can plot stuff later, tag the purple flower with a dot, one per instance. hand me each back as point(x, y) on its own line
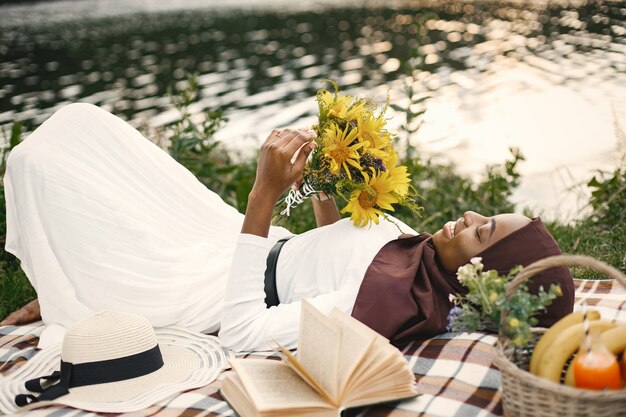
point(452, 316)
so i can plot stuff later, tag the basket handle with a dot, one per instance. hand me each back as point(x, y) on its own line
point(555, 261)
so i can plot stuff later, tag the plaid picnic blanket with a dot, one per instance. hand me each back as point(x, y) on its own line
point(454, 371)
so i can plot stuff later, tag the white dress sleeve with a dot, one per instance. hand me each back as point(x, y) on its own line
point(247, 324)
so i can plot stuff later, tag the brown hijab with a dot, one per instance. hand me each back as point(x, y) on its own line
point(405, 291)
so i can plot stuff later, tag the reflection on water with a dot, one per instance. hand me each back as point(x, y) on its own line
point(548, 78)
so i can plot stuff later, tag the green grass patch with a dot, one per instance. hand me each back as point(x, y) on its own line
point(14, 287)
point(603, 242)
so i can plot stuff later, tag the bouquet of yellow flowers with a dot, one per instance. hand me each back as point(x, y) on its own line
point(354, 160)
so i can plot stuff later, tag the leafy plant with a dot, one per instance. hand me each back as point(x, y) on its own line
point(496, 189)
point(608, 197)
point(447, 194)
point(601, 234)
point(14, 286)
point(187, 138)
point(193, 144)
point(486, 300)
point(15, 137)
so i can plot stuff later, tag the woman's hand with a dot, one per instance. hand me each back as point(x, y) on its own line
point(281, 162)
point(29, 313)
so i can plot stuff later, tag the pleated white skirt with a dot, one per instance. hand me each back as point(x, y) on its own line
point(101, 218)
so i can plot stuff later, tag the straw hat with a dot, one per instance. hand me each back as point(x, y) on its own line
point(114, 362)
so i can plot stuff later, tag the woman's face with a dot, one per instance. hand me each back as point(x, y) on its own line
point(458, 241)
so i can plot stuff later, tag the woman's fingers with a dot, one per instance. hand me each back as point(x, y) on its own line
point(287, 136)
point(299, 159)
point(278, 138)
point(282, 159)
point(296, 139)
point(274, 136)
point(288, 142)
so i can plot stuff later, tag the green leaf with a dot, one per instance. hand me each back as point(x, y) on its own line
point(16, 135)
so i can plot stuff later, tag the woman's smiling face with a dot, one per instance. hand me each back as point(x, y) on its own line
point(458, 241)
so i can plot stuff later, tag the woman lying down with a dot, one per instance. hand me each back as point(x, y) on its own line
point(101, 218)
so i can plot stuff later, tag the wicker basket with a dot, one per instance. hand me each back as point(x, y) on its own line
point(526, 395)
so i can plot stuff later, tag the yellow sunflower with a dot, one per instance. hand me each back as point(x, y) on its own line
point(339, 150)
point(370, 130)
point(400, 178)
point(389, 156)
point(337, 106)
point(366, 205)
point(356, 112)
point(325, 98)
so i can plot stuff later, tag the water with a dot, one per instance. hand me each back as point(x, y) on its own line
point(548, 77)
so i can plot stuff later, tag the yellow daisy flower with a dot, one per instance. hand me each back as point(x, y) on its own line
point(389, 156)
point(366, 205)
point(356, 112)
point(337, 106)
point(325, 98)
point(339, 150)
point(401, 178)
point(370, 131)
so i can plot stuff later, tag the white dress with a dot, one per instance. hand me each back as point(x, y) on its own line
point(101, 218)
point(325, 266)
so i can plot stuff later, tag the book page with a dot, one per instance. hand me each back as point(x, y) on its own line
point(293, 362)
point(382, 376)
point(274, 385)
point(318, 348)
point(369, 364)
point(377, 361)
point(355, 345)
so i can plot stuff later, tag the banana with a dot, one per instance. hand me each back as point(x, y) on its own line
point(615, 339)
point(569, 376)
point(546, 340)
point(563, 346)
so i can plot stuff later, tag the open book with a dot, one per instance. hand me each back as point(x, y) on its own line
point(341, 363)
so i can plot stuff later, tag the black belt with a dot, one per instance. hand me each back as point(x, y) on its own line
point(271, 292)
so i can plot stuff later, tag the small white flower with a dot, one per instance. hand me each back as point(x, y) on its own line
point(476, 260)
point(464, 273)
point(451, 297)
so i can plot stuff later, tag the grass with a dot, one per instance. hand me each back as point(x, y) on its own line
point(446, 194)
point(602, 234)
point(14, 286)
point(606, 243)
point(15, 290)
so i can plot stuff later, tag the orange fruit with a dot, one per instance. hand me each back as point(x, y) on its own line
point(597, 370)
